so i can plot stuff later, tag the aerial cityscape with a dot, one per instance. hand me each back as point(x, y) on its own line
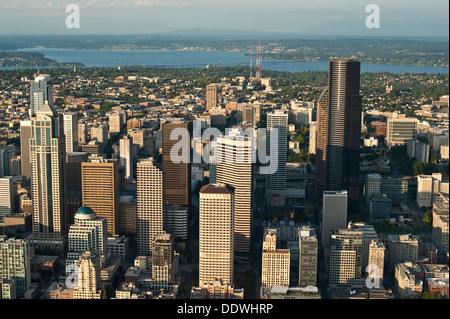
point(211, 164)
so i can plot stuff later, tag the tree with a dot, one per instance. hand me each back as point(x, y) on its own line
point(428, 218)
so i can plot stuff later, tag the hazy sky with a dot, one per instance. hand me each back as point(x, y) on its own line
point(314, 17)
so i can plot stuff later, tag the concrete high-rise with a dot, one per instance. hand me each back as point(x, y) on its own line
point(312, 137)
point(15, 259)
point(334, 213)
point(428, 186)
point(150, 194)
point(211, 96)
point(345, 257)
point(234, 167)
point(339, 112)
point(276, 183)
point(163, 267)
point(308, 256)
point(82, 132)
point(216, 242)
point(41, 93)
point(373, 185)
point(377, 254)
point(101, 189)
point(47, 156)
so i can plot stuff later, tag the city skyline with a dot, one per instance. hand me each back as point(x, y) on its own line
point(223, 181)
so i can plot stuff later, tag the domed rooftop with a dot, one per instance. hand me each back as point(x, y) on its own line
point(85, 212)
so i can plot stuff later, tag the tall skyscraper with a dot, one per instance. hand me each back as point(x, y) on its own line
point(216, 251)
point(373, 185)
point(101, 189)
point(211, 96)
point(150, 204)
point(73, 183)
point(177, 167)
point(334, 213)
point(126, 155)
point(70, 122)
point(15, 259)
point(47, 155)
point(234, 167)
point(377, 254)
point(276, 182)
point(25, 165)
point(41, 93)
point(339, 112)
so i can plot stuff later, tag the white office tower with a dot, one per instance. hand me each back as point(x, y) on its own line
point(373, 185)
point(149, 204)
point(41, 93)
point(126, 155)
point(89, 232)
point(99, 132)
point(428, 186)
point(70, 122)
point(6, 197)
point(163, 268)
point(216, 242)
point(47, 154)
point(277, 121)
point(275, 268)
point(234, 167)
point(334, 213)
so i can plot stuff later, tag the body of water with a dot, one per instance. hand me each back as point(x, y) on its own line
point(183, 59)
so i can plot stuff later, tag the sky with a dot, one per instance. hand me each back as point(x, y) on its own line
point(398, 18)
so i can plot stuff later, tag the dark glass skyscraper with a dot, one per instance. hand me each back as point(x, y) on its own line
point(339, 131)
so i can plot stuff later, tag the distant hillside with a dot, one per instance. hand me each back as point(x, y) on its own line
point(29, 59)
